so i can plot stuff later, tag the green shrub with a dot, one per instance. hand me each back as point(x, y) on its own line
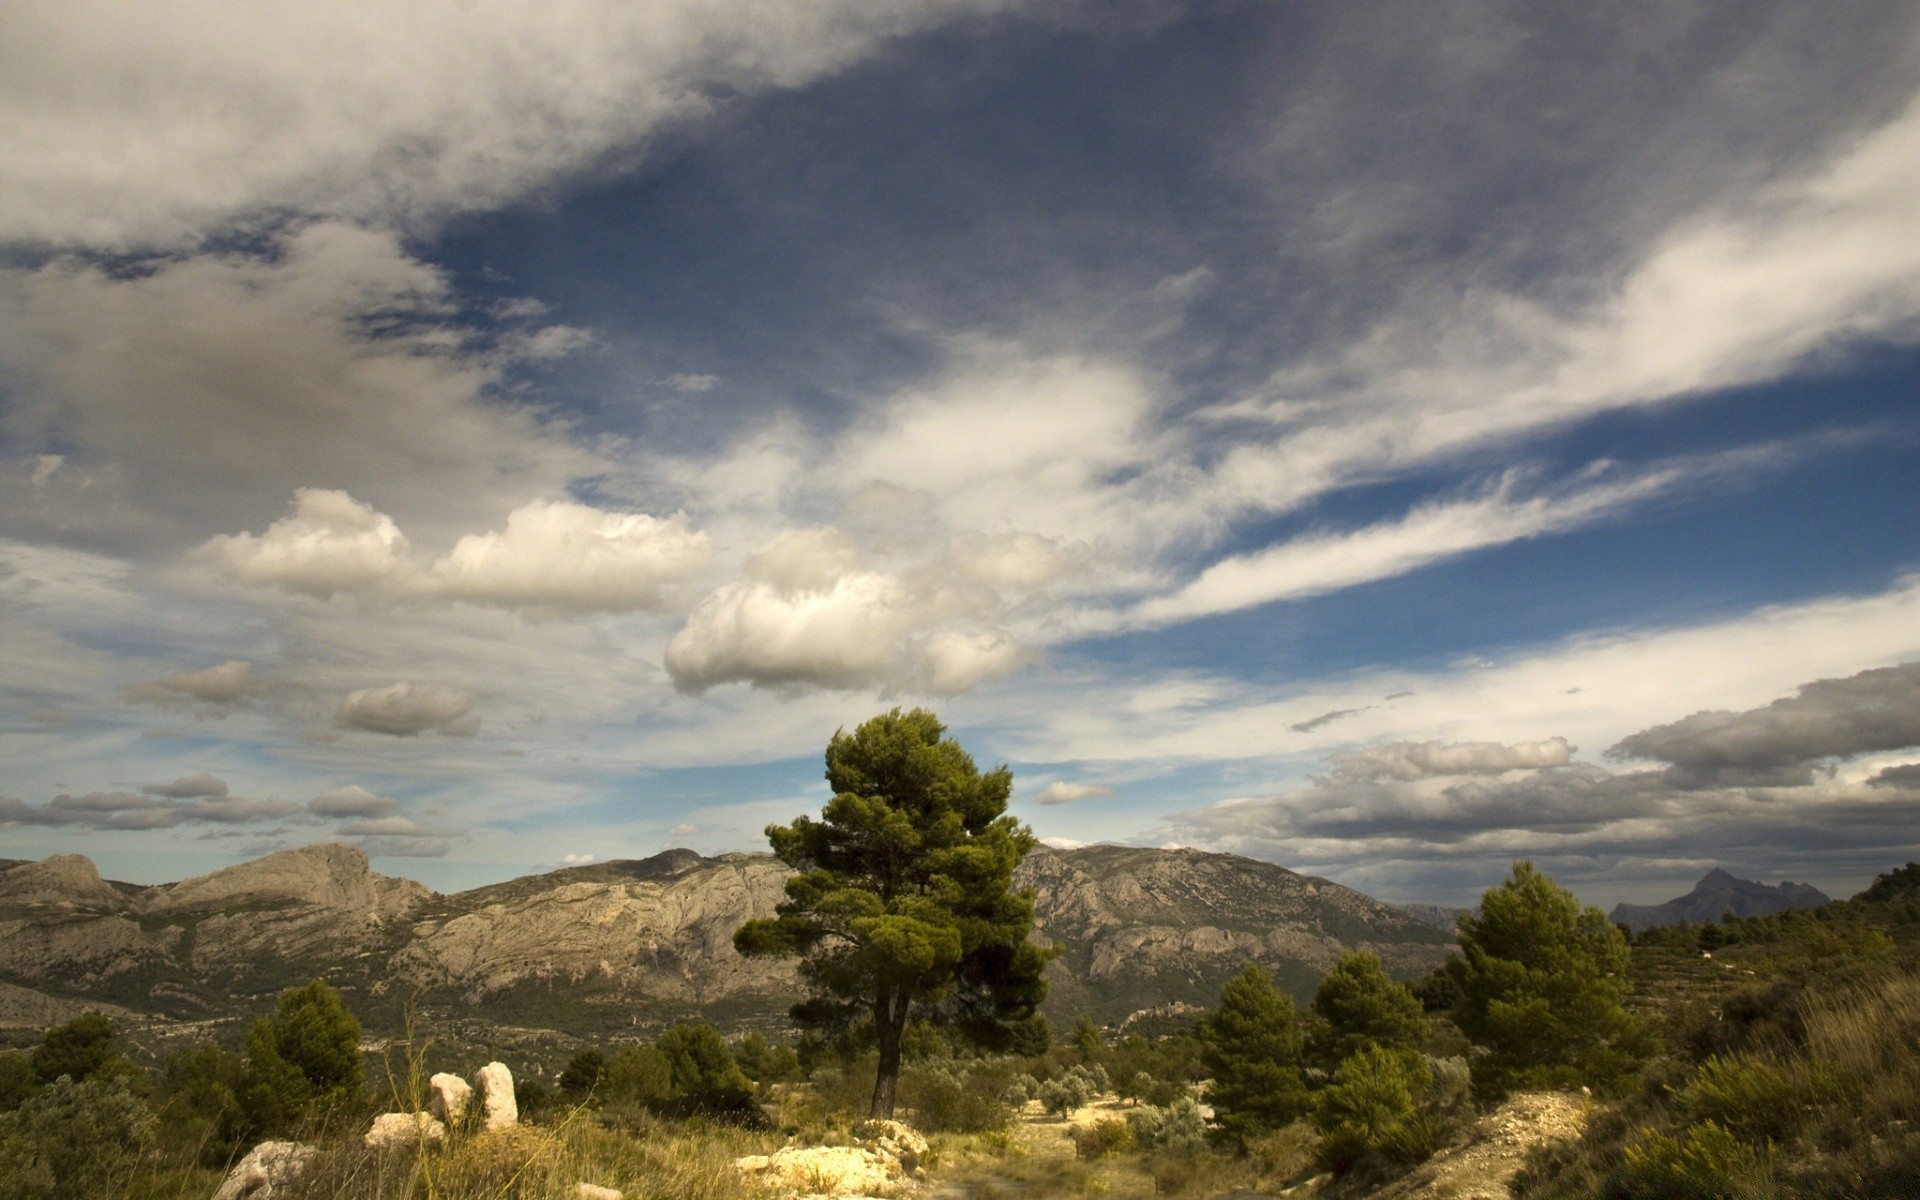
point(200, 1104)
point(1109, 1136)
point(1750, 1098)
point(73, 1139)
point(948, 1098)
point(1370, 1109)
point(1177, 1128)
point(77, 1049)
point(1702, 1162)
point(764, 1062)
point(303, 1059)
point(583, 1071)
point(636, 1075)
point(16, 1080)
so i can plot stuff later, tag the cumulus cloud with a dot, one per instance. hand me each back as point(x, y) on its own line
point(395, 836)
point(189, 787)
point(567, 557)
point(330, 543)
point(216, 690)
point(807, 611)
point(1060, 791)
point(1905, 775)
point(554, 557)
point(1874, 710)
point(352, 801)
point(404, 709)
point(1419, 760)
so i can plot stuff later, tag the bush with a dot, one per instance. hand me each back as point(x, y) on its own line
point(73, 1139)
point(1703, 1162)
point(200, 1105)
point(1177, 1128)
point(16, 1080)
point(948, 1098)
point(1370, 1109)
point(1101, 1139)
point(764, 1062)
point(583, 1071)
point(636, 1075)
point(1251, 1045)
point(303, 1059)
point(77, 1049)
point(1750, 1098)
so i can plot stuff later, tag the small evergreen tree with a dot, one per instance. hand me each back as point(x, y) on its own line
point(583, 1071)
point(1541, 983)
point(305, 1056)
point(1359, 1005)
point(1370, 1108)
point(701, 1070)
point(77, 1049)
point(1251, 1045)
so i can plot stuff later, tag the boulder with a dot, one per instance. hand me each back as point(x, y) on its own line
point(268, 1166)
point(494, 1084)
point(897, 1140)
point(831, 1171)
point(392, 1131)
point(593, 1191)
point(451, 1094)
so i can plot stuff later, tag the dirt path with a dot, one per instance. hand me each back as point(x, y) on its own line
point(1481, 1169)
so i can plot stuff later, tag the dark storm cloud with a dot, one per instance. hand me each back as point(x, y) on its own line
point(131, 811)
point(1780, 744)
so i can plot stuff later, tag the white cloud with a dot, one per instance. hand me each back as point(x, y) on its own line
point(1421, 760)
point(577, 860)
point(554, 557)
point(806, 611)
point(371, 112)
point(404, 709)
point(1060, 791)
point(352, 801)
point(568, 557)
point(330, 543)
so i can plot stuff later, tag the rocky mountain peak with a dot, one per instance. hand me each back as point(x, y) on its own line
point(66, 879)
point(327, 875)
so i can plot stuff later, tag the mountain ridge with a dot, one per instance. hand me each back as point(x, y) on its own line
point(1718, 893)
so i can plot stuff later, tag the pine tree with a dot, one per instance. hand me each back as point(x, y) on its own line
point(1251, 1046)
point(1541, 983)
point(903, 899)
point(1360, 1005)
point(306, 1055)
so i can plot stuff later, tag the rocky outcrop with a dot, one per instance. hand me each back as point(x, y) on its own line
point(1142, 928)
point(268, 1168)
point(401, 1131)
point(883, 1164)
point(493, 1086)
point(660, 929)
point(451, 1095)
point(1716, 895)
point(66, 881)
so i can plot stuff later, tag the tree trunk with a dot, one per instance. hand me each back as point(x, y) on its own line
point(890, 1022)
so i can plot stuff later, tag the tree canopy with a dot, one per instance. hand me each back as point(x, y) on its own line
point(1251, 1046)
point(1541, 983)
point(903, 898)
point(1359, 1005)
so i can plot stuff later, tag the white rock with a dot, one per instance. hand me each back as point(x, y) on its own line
point(267, 1166)
point(451, 1094)
point(391, 1130)
point(832, 1171)
point(593, 1191)
point(494, 1084)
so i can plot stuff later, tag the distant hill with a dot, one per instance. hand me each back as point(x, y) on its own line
point(639, 943)
point(1717, 894)
point(1894, 886)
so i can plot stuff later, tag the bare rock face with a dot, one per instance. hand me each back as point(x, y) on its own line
point(451, 1095)
point(493, 1084)
point(267, 1168)
point(1140, 928)
point(593, 1191)
point(395, 1131)
point(66, 881)
point(660, 929)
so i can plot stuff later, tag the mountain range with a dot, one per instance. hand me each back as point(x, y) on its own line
point(634, 943)
point(1716, 895)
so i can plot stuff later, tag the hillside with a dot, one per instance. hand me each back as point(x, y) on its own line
point(639, 942)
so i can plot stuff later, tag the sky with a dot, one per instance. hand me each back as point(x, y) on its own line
point(1386, 440)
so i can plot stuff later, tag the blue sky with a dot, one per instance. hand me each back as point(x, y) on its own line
point(1386, 442)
